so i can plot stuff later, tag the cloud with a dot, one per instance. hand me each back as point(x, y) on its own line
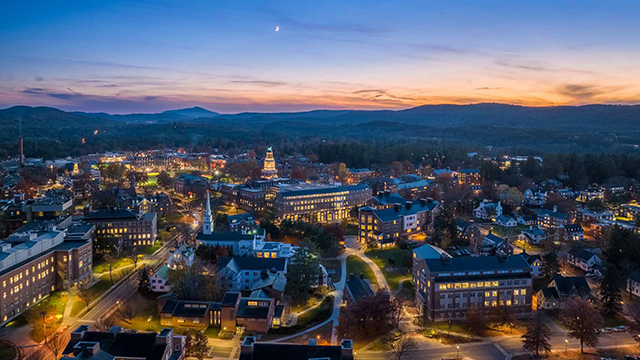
point(38, 78)
point(488, 88)
point(585, 92)
point(259, 82)
point(33, 91)
point(329, 27)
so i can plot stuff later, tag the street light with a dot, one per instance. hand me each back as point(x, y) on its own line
point(566, 344)
point(457, 351)
point(44, 325)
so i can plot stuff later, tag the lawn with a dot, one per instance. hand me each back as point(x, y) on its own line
point(7, 351)
point(408, 292)
point(463, 328)
point(102, 267)
point(323, 334)
point(148, 250)
point(357, 266)
point(306, 320)
point(334, 268)
point(616, 321)
point(393, 273)
point(54, 304)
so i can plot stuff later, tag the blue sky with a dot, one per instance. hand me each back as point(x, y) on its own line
point(143, 56)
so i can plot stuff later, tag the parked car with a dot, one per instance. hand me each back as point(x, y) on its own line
point(606, 330)
point(620, 328)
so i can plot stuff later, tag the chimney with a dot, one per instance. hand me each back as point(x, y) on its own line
point(264, 273)
point(313, 341)
point(423, 202)
point(397, 207)
point(347, 349)
point(408, 204)
point(21, 144)
point(78, 333)
point(351, 276)
point(445, 258)
point(88, 348)
point(247, 346)
point(361, 276)
point(502, 257)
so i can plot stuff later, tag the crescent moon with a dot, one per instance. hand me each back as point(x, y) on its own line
point(277, 28)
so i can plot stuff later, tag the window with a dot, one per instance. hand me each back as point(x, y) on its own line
point(523, 292)
point(487, 294)
point(516, 292)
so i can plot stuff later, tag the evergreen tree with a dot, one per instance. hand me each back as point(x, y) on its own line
point(303, 271)
point(199, 346)
point(537, 338)
point(143, 281)
point(610, 296)
point(551, 265)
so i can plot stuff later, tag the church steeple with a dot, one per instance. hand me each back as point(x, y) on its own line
point(207, 227)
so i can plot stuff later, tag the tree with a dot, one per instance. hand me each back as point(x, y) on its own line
point(87, 296)
point(537, 338)
point(127, 311)
point(635, 325)
point(303, 271)
point(550, 264)
point(477, 320)
point(445, 239)
point(135, 256)
point(399, 347)
point(610, 296)
point(582, 319)
point(368, 318)
point(397, 312)
point(192, 283)
point(105, 324)
point(596, 205)
point(503, 315)
point(164, 180)
point(143, 281)
point(199, 346)
point(56, 343)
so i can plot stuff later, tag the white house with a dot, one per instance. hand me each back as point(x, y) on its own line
point(184, 255)
point(633, 283)
point(240, 273)
point(533, 235)
point(535, 197)
point(574, 231)
point(583, 259)
point(487, 210)
point(506, 221)
point(158, 282)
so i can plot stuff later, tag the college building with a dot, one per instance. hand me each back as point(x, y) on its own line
point(130, 229)
point(446, 287)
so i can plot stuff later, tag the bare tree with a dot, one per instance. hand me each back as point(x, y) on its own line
point(401, 346)
point(397, 312)
point(56, 343)
point(105, 324)
point(127, 311)
point(135, 256)
point(536, 339)
point(87, 296)
point(582, 319)
point(35, 354)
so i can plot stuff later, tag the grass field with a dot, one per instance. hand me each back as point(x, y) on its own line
point(356, 266)
point(381, 258)
point(308, 319)
point(408, 292)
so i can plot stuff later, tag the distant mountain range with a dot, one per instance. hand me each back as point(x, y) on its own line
point(593, 128)
point(157, 118)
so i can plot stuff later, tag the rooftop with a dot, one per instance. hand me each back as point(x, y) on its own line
point(482, 263)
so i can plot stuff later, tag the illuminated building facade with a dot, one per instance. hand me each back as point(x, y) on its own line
point(446, 288)
point(319, 203)
point(130, 229)
point(269, 170)
point(387, 225)
point(32, 265)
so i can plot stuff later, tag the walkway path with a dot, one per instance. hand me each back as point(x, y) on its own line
point(337, 303)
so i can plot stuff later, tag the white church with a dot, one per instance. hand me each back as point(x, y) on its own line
point(248, 243)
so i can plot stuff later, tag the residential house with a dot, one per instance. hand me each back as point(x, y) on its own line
point(493, 244)
point(562, 288)
point(552, 218)
point(243, 223)
point(633, 283)
point(583, 259)
point(574, 231)
point(535, 197)
point(533, 235)
point(468, 231)
point(159, 281)
point(487, 210)
point(535, 261)
point(506, 221)
point(590, 193)
point(240, 273)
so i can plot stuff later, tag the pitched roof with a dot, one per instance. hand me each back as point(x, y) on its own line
point(552, 213)
point(238, 263)
point(358, 288)
point(494, 238)
point(246, 311)
point(635, 276)
point(232, 219)
point(504, 218)
point(428, 251)
point(162, 273)
point(416, 207)
point(134, 345)
point(566, 284)
point(530, 258)
point(583, 254)
point(574, 228)
point(230, 298)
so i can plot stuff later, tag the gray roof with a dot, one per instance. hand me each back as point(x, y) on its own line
point(635, 276)
point(583, 254)
point(482, 263)
point(428, 251)
point(566, 284)
point(246, 311)
point(416, 207)
point(117, 214)
point(358, 288)
point(224, 236)
point(250, 263)
point(551, 213)
point(324, 190)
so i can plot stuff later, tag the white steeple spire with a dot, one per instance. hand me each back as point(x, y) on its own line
point(207, 227)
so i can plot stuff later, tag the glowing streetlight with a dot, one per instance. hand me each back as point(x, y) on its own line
point(457, 351)
point(566, 344)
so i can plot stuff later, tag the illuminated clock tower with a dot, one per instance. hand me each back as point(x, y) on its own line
point(269, 170)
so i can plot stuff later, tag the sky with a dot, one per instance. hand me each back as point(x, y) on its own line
point(148, 56)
